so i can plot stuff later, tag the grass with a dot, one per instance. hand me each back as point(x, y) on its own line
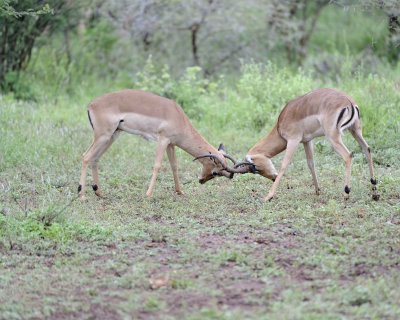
point(339, 27)
point(216, 252)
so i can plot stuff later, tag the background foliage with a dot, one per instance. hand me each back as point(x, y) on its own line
point(62, 41)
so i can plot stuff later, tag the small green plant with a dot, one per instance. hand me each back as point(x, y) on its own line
point(48, 224)
point(357, 296)
point(180, 283)
point(152, 303)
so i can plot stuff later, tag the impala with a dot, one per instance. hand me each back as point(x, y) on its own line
point(322, 112)
point(154, 118)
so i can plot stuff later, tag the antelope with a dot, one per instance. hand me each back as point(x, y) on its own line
point(322, 112)
point(154, 118)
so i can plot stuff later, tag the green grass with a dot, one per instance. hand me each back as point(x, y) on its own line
point(349, 30)
point(217, 252)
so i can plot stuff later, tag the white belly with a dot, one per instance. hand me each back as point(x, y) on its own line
point(312, 128)
point(144, 126)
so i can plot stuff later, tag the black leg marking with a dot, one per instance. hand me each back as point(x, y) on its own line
point(347, 189)
point(369, 149)
point(375, 194)
point(95, 187)
point(79, 188)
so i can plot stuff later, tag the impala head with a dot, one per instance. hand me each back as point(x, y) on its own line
point(264, 166)
point(214, 165)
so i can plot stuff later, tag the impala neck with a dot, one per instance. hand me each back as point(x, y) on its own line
point(194, 144)
point(271, 145)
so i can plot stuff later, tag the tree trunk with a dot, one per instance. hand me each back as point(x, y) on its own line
point(194, 30)
point(394, 38)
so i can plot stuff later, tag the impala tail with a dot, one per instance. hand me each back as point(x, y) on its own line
point(347, 117)
point(90, 119)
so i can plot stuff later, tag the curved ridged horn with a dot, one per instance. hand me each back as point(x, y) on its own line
point(230, 158)
point(238, 170)
point(244, 163)
point(222, 148)
point(242, 167)
point(211, 156)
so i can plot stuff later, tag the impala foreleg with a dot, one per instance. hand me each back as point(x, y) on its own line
point(161, 148)
point(174, 167)
point(82, 180)
point(91, 156)
point(95, 175)
point(309, 149)
point(95, 170)
point(290, 149)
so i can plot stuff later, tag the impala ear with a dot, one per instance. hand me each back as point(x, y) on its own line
point(221, 147)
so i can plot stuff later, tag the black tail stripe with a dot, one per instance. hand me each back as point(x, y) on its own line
point(340, 116)
point(358, 112)
point(90, 119)
point(351, 117)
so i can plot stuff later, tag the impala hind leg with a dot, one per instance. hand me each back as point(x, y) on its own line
point(290, 149)
point(161, 148)
point(91, 156)
point(309, 149)
point(341, 149)
point(357, 134)
point(174, 167)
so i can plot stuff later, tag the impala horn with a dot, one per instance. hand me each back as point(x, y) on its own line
point(230, 158)
point(222, 148)
point(211, 156)
point(242, 167)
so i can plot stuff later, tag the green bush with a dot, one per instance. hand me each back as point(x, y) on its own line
point(185, 90)
point(88, 65)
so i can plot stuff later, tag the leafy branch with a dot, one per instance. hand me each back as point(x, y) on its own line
point(6, 9)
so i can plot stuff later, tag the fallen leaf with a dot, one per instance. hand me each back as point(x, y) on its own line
point(159, 281)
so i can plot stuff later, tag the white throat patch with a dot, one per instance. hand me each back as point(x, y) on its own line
point(249, 159)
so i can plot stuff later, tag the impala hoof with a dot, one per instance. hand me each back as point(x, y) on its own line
point(268, 198)
point(99, 194)
point(376, 196)
point(149, 195)
point(180, 192)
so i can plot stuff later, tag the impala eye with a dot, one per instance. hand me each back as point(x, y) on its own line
point(214, 173)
